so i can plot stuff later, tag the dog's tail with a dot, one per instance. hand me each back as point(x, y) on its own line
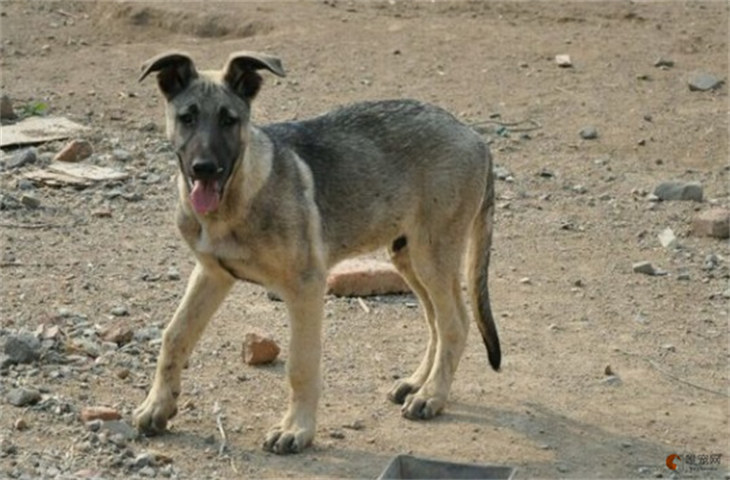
point(479, 252)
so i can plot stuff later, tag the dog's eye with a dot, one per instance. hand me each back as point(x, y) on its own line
point(186, 119)
point(228, 120)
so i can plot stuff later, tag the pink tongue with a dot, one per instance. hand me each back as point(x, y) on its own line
point(204, 196)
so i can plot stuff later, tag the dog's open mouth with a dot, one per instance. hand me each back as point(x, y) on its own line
point(205, 195)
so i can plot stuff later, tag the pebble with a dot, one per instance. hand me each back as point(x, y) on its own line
point(146, 334)
point(30, 201)
point(611, 380)
point(668, 239)
point(173, 274)
point(7, 112)
point(118, 333)
point(20, 424)
point(703, 82)
point(22, 348)
point(648, 269)
point(711, 262)
point(502, 173)
point(663, 63)
point(683, 274)
point(22, 158)
point(121, 155)
point(74, 151)
point(563, 60)
point(119, 427)
point(712, 223)
point(259, 349)
point(669, 347)
point(23, 396)
point(676, 190)
point(588, 133)
point(120, 311)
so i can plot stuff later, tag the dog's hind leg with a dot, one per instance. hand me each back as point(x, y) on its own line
point(400, 257)
point(205, 292)
point(436, 263)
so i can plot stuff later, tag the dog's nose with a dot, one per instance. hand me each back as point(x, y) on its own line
point(204, 168)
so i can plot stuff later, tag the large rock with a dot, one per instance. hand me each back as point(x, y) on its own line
point(362, 278)
point(712, 223)
point(676, 190)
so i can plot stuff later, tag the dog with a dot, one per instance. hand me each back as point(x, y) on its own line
point(278, 205)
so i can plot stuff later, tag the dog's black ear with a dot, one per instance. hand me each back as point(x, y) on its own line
point(174, 70)
point(241, 76)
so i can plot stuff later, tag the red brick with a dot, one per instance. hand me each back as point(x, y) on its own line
point(365, 277)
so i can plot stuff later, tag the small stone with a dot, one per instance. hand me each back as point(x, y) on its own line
point(173, 274)
point(144, 459)
point(21, 397)
point(148, 472)
point(563, 61)
point(668, 239)
point(644, 267)
point(626, 444)
point(30, 201)
point(259, 349)
point(147, 334)
point(74, 151)
point(7, 447)
point(7, 112)
point(711, 262)
point(608, 370)
point(562, 468)
point(669, 347)
point(588, 133)
point(703, 82)
point(22, 348)
point(123, 373)
point(119, 427)
point(611, 380)
point(120, 311)
point(20, 424)
point(525, 280)
point(121, 155)
point(683, 275)
point(356, 425)
point(712, 223)
point(99, 413)
point(101, 213)
point(501, 173)
point(663, 63)
point(361, 278)
point(338, 434)
point(118, 333)
point(676, 190)
point(22, 158)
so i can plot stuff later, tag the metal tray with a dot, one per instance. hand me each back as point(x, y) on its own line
point(405, 467)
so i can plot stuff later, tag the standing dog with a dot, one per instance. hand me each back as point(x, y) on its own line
point(279, 205)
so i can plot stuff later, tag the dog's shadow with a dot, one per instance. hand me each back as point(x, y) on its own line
point(574, 448)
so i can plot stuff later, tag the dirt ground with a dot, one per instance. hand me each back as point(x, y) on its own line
point(573, 217)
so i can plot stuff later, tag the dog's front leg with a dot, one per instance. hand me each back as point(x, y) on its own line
point(205, 292)
point(296, 429)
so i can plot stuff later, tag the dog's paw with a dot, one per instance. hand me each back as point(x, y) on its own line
point(284, 441)
point(151, 417)
point(422, 407)
point(400, 391)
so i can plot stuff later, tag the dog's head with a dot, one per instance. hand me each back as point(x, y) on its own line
point(208, 116)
